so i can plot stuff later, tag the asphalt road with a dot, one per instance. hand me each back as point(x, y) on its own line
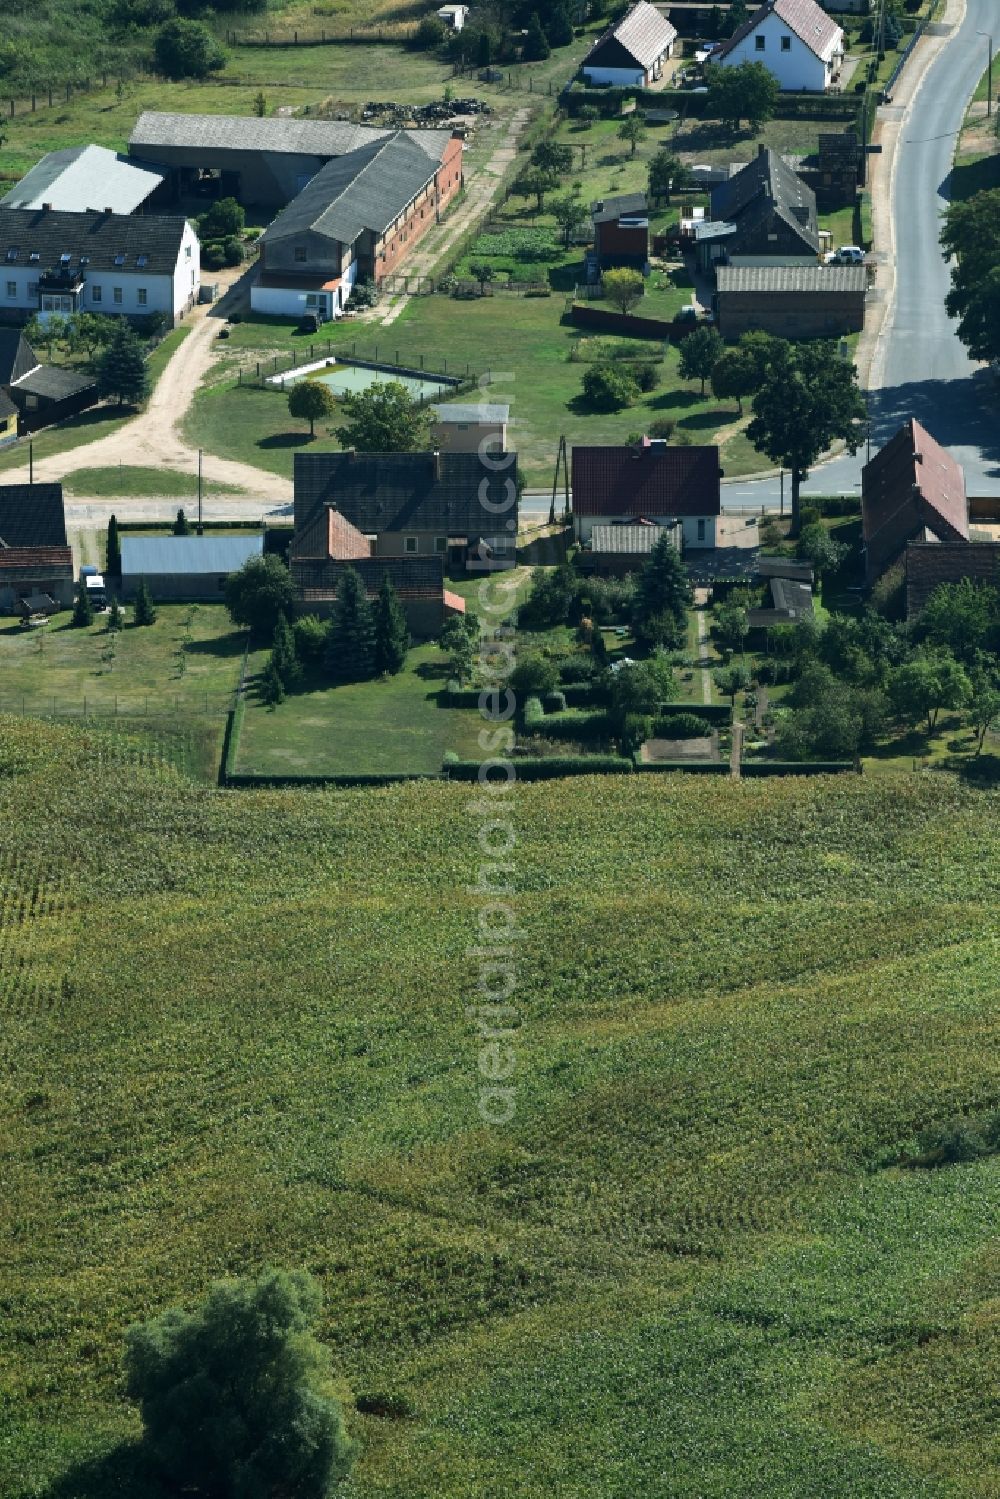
point(925, 371)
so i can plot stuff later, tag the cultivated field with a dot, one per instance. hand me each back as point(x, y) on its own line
point(234, 1034)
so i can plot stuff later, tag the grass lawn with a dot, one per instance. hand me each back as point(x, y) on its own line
point(169, 685)
point(137, 481)
point(388, 725)
point(525, 340)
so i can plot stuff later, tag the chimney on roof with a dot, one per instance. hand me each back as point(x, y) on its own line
point(46, 207)
point(109, 210)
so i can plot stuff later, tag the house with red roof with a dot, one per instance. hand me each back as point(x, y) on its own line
point(796, 41)
point(912, 490)
point(647, 483)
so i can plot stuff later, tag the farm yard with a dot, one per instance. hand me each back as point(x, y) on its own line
point(710, 1200)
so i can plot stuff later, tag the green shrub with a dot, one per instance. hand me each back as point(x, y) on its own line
point(681, 726)
point(647, 375)
point(213, 257)
point(555, 702)
point(312, 635)
point(529, 769)
point(232, 252)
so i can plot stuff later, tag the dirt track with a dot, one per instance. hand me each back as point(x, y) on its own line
point(154, 439)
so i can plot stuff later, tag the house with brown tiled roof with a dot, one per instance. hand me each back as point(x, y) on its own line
point(647, 482)
point(912, 490)
point(929, 564)
point(632, 52)
point(796, 41)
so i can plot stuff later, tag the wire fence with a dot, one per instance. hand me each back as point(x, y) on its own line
point(119, 705)
point(381, 355)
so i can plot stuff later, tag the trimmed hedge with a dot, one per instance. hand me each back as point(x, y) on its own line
point(752, 768)
point(231, 741)
point(681, 726)
point(370, 778)
point(713, 713)
point(692, 767)
point(541, 769)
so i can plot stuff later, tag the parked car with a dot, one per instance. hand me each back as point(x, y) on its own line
point(851, 255)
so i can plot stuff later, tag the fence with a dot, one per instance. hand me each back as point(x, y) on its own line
point(383, 355)
point(358, 35)
point(120, 705)
point(890, 82)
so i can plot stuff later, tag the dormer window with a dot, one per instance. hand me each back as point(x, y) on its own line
point(65, 259)
point(34, 256)
point(142, 261)
point(120, 259)
point(12, 254)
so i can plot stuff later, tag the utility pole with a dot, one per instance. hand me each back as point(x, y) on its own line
point(989, 73)
point(201, 529)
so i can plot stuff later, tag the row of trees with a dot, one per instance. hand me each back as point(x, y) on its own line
point(500, 31)
point(971, 235)
point(385, 418)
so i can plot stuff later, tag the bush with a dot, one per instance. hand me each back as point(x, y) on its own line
point(533, 676)
point(681, 726)
point(572, 723)
point(647, 376)
point(311, 638)
point(577, 669)
point(187, 49)
point(554, 702)
point(232, 252)
point(429, 34)
point(608, 387)
point(663, 426)
point(213, 258)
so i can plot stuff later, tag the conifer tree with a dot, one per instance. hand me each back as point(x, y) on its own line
point(284, 654)
point(83, 609)
point(392, 637)
point(181, 525)
point(350, 655)
point(116, 618)
point(121, 369)
point(536, 46)
point(272, 688)
point(114, 567)
point(144, 611)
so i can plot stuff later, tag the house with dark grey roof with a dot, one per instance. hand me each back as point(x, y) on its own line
point(185, 568)
point(766, 209)
point(929, 564)
point(453, 506)
point(647, 482)
point(632, 52)
point(35, 558)
point(621, 230)
point(265, 162)
point(795, 40)
point(807, 300)
point(79, 178)
point(911, 490)
point(357, 219)
point(53, 261)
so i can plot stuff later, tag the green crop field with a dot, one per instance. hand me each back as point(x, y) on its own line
point(690, 1265)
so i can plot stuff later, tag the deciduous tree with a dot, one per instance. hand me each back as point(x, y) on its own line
point(623, 286)
point(929, 681)
point(385, 418)
point(187, 49)
point(310, 401)
point(699, 352)
point(458, 639)
point(259, 594)
point(734, 375)
point(746, 92)
point(632, 130)
point(809, 399)
point(235, 1395)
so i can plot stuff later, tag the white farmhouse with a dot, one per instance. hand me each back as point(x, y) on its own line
point(633, 52)
point(795, 40)
point(647, 483)
point(128, 265)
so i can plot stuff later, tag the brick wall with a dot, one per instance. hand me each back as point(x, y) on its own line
point(790, 314)
point(422, 213)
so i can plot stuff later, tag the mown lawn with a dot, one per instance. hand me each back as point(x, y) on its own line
point(138, 481)
point(170, 684)
point(526, 343)
point(235, 1034)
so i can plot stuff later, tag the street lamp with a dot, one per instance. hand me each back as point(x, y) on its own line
point(989, 74)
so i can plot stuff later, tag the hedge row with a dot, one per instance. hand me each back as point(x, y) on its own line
point(231, 742)
point(690, 105)
point(291, 782)
point(539, 769)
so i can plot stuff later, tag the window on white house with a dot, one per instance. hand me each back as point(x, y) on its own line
point(760, 42)
point(786, 44)
point(187, 252)
point(96, 293)
point(32, 288)
point(12, 288)
point(116, 294)
point(410, 544)
point(141, 296)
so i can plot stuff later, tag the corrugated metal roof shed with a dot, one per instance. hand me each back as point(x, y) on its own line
point(274, 134)
point(789, 278)
point(82, 177)
point(149, 556)
point(630, 540)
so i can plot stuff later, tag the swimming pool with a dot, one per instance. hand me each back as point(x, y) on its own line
point(343, 378)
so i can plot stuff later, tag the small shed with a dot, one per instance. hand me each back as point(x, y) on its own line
point(464, 428)
point(50, 393)
point(185, 568)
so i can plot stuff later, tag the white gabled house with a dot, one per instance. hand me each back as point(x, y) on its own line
point(633, 52)
point(54, 261)
point(795, 40)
